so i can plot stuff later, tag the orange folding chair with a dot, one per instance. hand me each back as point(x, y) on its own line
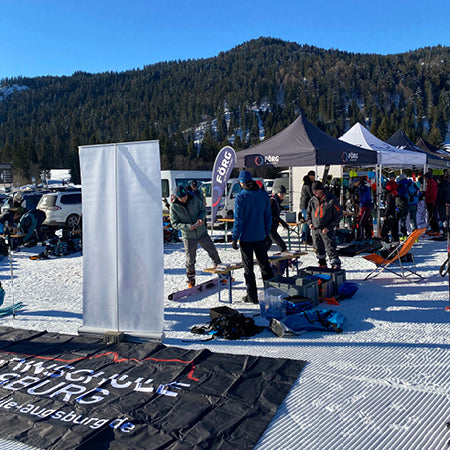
point(393, 261)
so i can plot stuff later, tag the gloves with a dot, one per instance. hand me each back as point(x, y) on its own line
point(235, 245)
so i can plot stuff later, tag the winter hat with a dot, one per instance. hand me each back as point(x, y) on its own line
point(280, 189)
point(245, 176)
point(180, 192)
point(402, 176)
point(428, 175)
point(317, 186)
point(18, 197)
point(194, 183)
point(311, 173)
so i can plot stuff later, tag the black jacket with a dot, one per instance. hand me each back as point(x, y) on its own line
point(275, 207)
point(306, 193)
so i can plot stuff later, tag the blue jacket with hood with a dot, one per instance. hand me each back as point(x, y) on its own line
point(252, 214)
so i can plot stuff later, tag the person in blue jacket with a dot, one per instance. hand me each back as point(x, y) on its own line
point(252, 224)
point(413, 200)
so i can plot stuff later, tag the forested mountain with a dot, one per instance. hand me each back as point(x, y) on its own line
point(194, 107)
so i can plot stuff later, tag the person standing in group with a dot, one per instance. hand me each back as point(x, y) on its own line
point(252, 224)
point(323, 216)
point(187, 214)
point(402, 203)
point(430, 199)
point(390, 224)
point(413, 200)
point(275, 207)
point(305, 196)
point(365, 209)
point(194, 190)
point(442, 199)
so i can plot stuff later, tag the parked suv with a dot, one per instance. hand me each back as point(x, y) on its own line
point(62, 208)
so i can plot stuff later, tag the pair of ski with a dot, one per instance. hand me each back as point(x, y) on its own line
point(206, 285)
point(11, 309)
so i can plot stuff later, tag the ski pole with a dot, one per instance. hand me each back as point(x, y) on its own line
point(12, 276)
point(445, 267)
point(447, 210)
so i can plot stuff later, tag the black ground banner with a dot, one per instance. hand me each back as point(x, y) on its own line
point(75, 392)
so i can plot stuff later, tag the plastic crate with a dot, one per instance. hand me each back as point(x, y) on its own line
point(337, 275)
point(295, 286)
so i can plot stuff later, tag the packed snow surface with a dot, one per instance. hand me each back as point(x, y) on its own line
point(384, 383)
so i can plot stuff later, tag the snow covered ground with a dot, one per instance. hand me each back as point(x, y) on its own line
point(384, 383)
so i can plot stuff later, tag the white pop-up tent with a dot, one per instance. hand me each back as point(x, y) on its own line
point(388, 155)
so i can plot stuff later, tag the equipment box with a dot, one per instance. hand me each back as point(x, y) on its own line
point(337, 275)
point(291, 217)
point(295, 286)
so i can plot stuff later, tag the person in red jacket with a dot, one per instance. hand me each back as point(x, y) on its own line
point(430, 200)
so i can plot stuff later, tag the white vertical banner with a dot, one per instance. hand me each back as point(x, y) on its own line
point(123, 253)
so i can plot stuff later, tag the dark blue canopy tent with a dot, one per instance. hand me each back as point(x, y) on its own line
point(303, 144)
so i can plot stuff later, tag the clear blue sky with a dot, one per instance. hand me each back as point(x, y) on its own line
point(59, 37)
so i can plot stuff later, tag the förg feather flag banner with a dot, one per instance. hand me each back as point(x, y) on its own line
point(223, 166)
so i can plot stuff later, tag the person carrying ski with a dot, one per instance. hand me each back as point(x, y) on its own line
point(252, 224)
point(187, 214)
point(323, 216)
point(275, 207)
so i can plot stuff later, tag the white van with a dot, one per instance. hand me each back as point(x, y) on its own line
point(170, 179)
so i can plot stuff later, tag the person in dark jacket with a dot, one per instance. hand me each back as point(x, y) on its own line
point(442, 198)
point(187, 214)
point(390, 224)
point(195, 191)
point(430, 199)
point(323, 216)
point(275, 207)
point(252, 224)
point(305, 196)
point(30, 225)
point(365, 209)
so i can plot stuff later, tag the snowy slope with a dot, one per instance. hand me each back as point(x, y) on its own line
point(382, 384)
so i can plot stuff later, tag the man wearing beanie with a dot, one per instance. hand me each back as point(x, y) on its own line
point(252, 223)
point(323, 216)
point(187, 214)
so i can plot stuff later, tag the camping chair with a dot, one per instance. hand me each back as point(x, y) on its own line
point(394, 258)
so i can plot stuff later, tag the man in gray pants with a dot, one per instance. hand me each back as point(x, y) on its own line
point(323, 216)
point(187, 214)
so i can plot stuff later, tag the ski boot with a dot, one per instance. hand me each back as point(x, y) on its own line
point(322, 263)
point(190, 279)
